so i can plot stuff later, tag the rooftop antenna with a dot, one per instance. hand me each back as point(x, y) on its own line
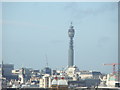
point(56, 72)
point(22, 66)
point(46, 60)
point(71, 23)
point(2, 65)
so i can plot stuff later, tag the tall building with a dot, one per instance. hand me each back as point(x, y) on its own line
point(6, 69)
point(71, 33)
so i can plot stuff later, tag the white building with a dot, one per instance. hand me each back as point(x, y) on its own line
point(71, 71)
point(111, 80)
point(59, 83)
point(45, 81)
point(16, 71)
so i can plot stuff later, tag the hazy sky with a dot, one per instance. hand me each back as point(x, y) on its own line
point(32, 31)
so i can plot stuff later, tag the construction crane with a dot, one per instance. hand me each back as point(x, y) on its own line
point(113, 64)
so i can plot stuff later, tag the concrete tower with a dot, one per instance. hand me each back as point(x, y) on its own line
point(71, 33)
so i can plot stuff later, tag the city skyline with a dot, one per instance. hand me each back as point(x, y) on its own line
point(33, 30)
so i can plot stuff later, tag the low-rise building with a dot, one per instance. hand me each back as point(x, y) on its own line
point(59, 84)
point(45, 81)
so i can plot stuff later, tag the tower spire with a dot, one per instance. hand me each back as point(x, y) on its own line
point(71, 24)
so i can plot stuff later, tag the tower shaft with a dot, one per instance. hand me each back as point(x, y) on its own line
point(71, 53)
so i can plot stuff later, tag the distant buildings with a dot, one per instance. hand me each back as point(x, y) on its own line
point(71, 77)
point(46, 70)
